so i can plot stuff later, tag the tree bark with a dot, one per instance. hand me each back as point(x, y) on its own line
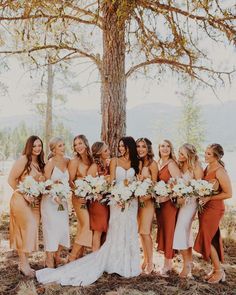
point(48, 126)
point(113, 89)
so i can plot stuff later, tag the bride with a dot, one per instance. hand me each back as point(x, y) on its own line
point(120, 252)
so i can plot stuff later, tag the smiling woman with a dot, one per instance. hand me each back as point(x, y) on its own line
point(24, 219)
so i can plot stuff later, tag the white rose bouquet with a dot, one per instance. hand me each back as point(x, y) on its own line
point(202, 188)
point(161, 189)
point(180, 190)
point(91, 188)
point(122, 193)
point(98, 186)
point(31, 188)
point(143, 188)
point(60, 189)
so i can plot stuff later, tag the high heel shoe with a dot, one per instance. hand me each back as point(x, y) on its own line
point(188, 273)
point(209, 275)
point(60, 261)
point(150, 268)
point(164, 272)
point(221, 278)
point(71, 258)
point(144, 265)
point(29, 272)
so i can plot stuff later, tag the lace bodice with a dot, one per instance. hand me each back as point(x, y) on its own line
point(122, 173)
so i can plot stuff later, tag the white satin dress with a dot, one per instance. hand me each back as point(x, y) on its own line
point(183, 238)
point(119, 254)
point(55, 224)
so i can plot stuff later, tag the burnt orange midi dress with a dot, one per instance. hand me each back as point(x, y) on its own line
point(99, 213)
point(166, 220)
point(209, 219)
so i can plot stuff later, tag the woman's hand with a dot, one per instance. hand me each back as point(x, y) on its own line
point(163, 199)
point(29, 199)
point(180, 201)
point(203, 200)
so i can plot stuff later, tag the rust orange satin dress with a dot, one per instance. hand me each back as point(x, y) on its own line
point(84, 234)
point(24, 220)
point(99, 213)
point(209, 219)
point(166, 220)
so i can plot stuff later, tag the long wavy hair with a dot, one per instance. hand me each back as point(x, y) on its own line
point(172, 153)
point(130, 144)
point(87, 147)
point(148, 144)
point(190, 154)
point(218, 152)
point(97, 149)
point(27, 151)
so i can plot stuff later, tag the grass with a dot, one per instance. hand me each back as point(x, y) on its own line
point(12, 282)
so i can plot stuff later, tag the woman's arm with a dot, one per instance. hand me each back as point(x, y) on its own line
point(174, 170)
point(198, 172)
point(16, 171)
point(72, 169)
point(113, 169)
point(48, 169)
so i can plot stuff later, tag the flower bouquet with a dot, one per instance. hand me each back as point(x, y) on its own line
point(180, 190)
point(161, 189)
point(122, 194)
point(201, 188)
point(30, 187)
point(143, 188)
point(59, 188)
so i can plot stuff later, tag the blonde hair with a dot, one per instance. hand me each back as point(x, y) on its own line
point(52, 145)
point(172, 153)
point(218, 152)
point(191, 156)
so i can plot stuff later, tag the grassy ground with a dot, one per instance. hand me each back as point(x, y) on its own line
point(12, 282)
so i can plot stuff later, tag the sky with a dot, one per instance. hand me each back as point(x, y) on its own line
point(141, 90)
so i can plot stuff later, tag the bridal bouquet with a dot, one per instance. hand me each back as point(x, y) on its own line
point(30, 187)
point(201, 188)
point(143, 188)
point(122, 194)
point(161, 189)
point(59, 188)
point(180, 190)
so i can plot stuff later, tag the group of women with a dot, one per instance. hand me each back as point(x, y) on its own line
point(112, 234)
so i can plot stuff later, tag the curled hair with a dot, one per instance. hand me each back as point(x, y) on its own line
point(97, 149)
point(172, 153)
point(130, 145)
point(191, 156)
point(148, 143)
point(218, 152)
point(87, 147)
point(52, 145)
point(27, 151)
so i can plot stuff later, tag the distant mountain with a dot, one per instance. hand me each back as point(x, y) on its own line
point(151, 120)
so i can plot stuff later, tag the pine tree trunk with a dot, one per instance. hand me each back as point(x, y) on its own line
point(48, 126)
point(113, 89)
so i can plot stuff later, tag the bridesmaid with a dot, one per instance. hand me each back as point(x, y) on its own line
point(147, 169)
point(167, 213)
point(183, 241)
point(78, 168)
point(208, 241)
point(55, 224)
point(99, 213)
point(24, 219)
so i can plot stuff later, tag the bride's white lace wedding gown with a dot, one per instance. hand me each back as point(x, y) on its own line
point(119, 254)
